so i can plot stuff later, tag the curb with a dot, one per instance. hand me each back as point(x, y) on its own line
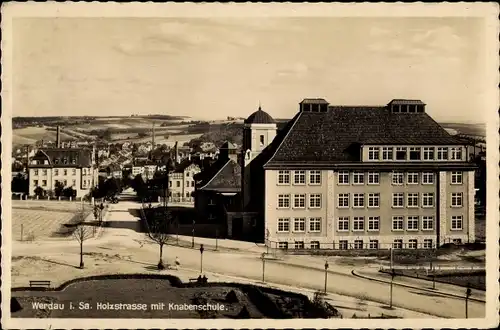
point(415, 287)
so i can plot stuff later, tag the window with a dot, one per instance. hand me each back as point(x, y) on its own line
point(397, 223)
point(456, 222)
point(412, 200)
point(65, 182)
point(299, 224)
point(373, 153)
point(343, 200)
point(299, 201)
point(401, 153)
point(456, 153)
point(283, 177)
point(374, 200)
point(412, 178)
point(170, 183)
point(283, 245)
point(397, 178)
point(427, 199)
point(44, 172)
point(315, 225)
point(397, 244)
point(314, 201)
point(456, 200)
point(358, 244)
point(299, 177)
point(412, 244)
point(283, 225)
point(299, 245)
point(373, 223)
point(314, 177)
point(373, 178)
point(373, 244)
point(343, 224)
point(387, 153)
point(358, 178)
point(456, 177)
point(56, 171)
point(428, 153)
point(442, 153)
point(261, 140)
point(344, 177)
point(427, 223)
point(187, 174)
point(36, 172)
point(358, 200)
point(343, 245)
point(415, 153)
point(314, 244)
point(65, 172)
point(457, 241)
point(44, 183)
point(427, 243)
point(358, 224)
point(283, 201)
point(398, 200)
point(73, 172)
point(412, 223)
point(178, 183)
point(427, 178)
point(73, 182)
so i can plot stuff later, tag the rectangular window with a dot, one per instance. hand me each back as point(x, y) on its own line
point(373, 223)
point(358, 200)
point(299, 245)
point(44, 183)
point(373, 153)
point(358, 244)
point(73, 172)
point(299, 224)
point(415, 153)
point(401, 153)
point(456, 200)
point(456, 153)
point(65, 182)
point(299, 201)
point(427, 243)
point(428, 178)
point(283, 225)
point(373, 178)
point(412, 178)
point(299, 177)
point(343, 200)
point(178, 184)
point(261, 140)
point(36, 172)
point(84, 171)
point(397, 223)
point(315, 177)
point(44, 172)
point(456, 222)
point(374, 200)
point(373, 244)
point(442, 153)
point(314, 245)
point(343, 245)
point(65, 171)
point(315, 225)
point(428, 153)
point(412, 200)
point(412, 244)
point(283, 245)
point(283, 201)
point(314, 201)
point(427, 199)
point(456, 177)
point(398, 200)
point(397, 244)
point(56, 171)
point(412, 223)
point(397, 178)
point(358, 224)
point(344, 177)
point(358, 178)
point(387, 153)
point(343, 224)
point(427, 223)
point(74, 182)
point(457, 241)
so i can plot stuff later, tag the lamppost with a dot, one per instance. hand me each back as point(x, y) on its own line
point(393, 274)
point(326, 273)
point(201, 258)
point(216, 239)
point(468, 293)
point(192, 239)
point(263, 257)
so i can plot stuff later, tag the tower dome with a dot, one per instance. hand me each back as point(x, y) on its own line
point(260, 117)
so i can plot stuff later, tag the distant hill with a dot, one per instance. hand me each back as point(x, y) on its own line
point(468, 129)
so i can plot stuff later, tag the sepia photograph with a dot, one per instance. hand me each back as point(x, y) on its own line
point(249, 165)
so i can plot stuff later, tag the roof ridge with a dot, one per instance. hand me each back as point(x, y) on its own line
point(295, 120)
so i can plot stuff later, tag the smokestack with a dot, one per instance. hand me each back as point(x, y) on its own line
point(153, 138)
point(27, 157)
point(58, 137)
point(176, 153)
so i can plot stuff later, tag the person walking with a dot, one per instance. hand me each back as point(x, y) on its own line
point(177, 263)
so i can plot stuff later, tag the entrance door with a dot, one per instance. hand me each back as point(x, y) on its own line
point(237, 228)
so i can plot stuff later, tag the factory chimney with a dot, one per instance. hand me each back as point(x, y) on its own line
point(153, 137)
point(58, 137)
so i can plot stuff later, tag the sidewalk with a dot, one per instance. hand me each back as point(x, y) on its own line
point(372, 273)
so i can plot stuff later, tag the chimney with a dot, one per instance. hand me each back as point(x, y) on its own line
point(176, 150)
point(58, 137)
point(153, 137)
point(27, 157)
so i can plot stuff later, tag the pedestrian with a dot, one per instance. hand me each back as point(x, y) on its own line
point(177, 263)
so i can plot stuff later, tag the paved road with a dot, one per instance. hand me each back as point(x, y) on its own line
point(123, 238)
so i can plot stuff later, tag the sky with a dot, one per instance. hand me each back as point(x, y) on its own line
point(211, 68)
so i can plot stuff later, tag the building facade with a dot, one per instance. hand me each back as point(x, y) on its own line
point(181, 184)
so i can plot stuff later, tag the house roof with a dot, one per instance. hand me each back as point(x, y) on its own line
point(259, 117)
point(335, 136)
point(314, 101)
point(183, 165)
point(228, 145)
point(64, 157)
point(226, 179)
point(404, 102)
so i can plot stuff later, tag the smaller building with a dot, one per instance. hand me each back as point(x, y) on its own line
point(181, 182)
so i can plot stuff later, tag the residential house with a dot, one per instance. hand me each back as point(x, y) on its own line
point(181, 184)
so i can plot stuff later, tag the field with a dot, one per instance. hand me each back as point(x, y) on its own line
point(30, 135)
point(469, 129)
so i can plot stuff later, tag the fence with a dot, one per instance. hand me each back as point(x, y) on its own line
point(298, 246)
point(26, 197)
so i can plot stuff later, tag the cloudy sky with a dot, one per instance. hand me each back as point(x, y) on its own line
point(213, 68)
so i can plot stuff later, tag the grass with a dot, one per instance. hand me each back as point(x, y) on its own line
point(33, 134)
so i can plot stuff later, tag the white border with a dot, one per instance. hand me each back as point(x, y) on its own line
point(488, 11)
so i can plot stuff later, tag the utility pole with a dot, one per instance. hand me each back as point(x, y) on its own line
point(326, 273)
point(391, 250)
point(201, 258)
point(192, 238)
point(263, 265)
point(393, 274)
point(468, 293)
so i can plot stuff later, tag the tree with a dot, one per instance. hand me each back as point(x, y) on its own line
point(59, 187)
point(39, 191)
point(19, 184)
point(139, 185)
point(81, 234)
point(158, 230)
point(69, 192)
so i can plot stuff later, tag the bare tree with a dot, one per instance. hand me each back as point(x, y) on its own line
point(81, 234)
point(159, 231)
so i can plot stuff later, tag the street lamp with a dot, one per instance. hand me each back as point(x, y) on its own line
point(263, 257)
point(201, 258)
point(393, 274)
point(326, 273)
point(468, 293)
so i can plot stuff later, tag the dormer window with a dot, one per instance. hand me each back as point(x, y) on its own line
point(401, 153)
point(56, 161)
point(407, 106)
point(314, 105)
